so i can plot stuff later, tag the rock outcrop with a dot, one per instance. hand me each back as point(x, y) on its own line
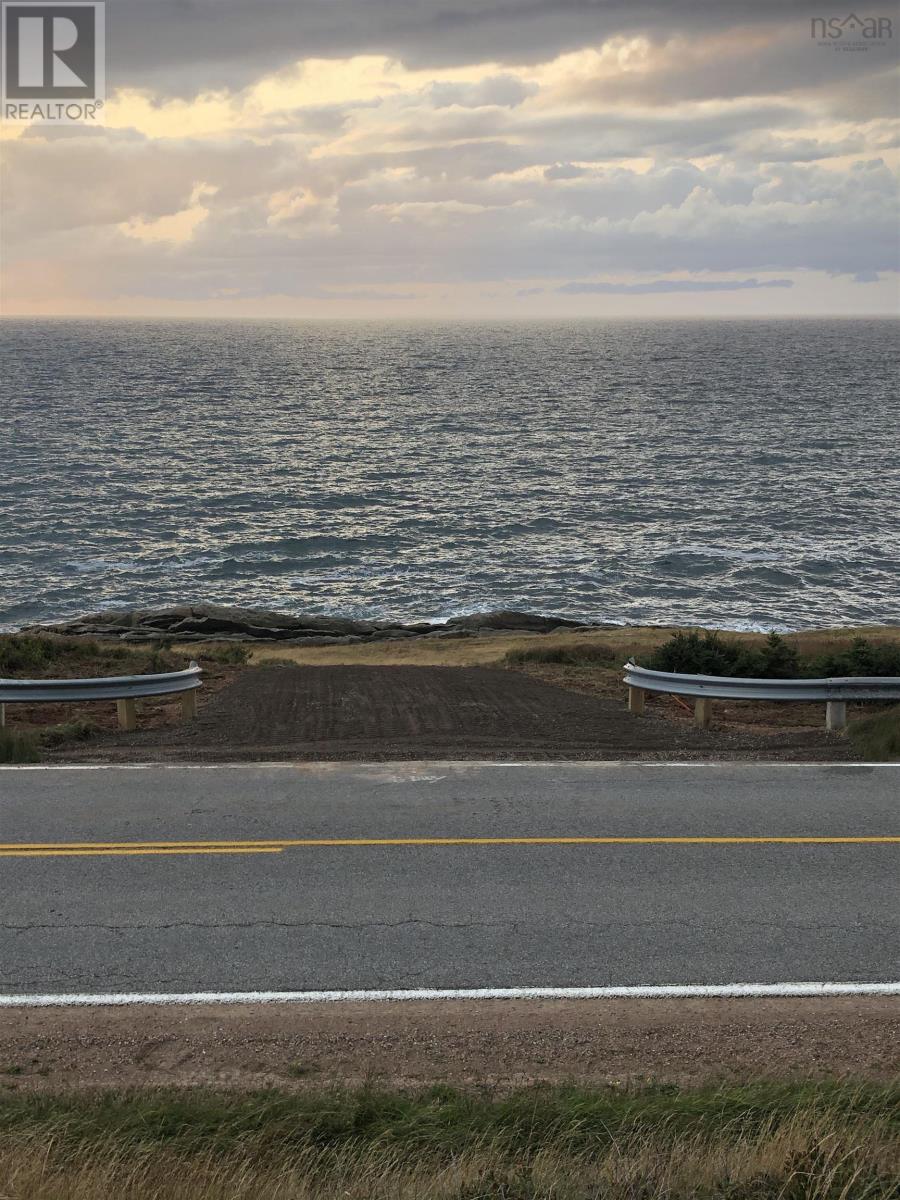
point(216, 622)
point(509, 620)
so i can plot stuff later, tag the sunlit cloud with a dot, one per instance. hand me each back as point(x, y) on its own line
point(175, 228)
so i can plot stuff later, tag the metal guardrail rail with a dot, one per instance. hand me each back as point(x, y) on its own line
point(706, 688)
point(124, 689)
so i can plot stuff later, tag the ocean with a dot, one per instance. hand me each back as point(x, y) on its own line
point(732, 473)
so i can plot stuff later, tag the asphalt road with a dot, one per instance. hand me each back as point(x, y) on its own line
point(88, 905)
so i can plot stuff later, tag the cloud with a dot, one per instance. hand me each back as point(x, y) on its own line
point(665, 286)
point(190, 47)
point(369, 294)
point(505, 91)
point(770, 59)
point(272, 219)
point(564, 171)
point(621, 149)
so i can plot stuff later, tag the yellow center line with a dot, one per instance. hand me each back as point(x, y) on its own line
point(130, 852)
point(277, 845)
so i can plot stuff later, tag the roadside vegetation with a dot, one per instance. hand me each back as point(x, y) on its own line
point(592, 663)
point(877, 737)
point(574, 654)
point(18, 746)
point(38, 727)
point(870, 651)
point(586, 660)
point(25, 657)
point(25, 745)
point(232, 654)
point(708, 653)
point(757, 1142)
point(694, 653)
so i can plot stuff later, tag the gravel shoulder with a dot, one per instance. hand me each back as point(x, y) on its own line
point(499, 1043)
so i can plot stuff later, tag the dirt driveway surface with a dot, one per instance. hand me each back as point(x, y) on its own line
point(373, 714)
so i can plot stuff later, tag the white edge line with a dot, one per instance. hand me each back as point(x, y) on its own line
point(670, 992)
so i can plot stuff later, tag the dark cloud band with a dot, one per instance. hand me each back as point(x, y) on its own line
point(191, 45)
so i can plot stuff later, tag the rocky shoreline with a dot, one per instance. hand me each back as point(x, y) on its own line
point(215, 622)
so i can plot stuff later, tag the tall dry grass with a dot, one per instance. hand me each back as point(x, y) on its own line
point(877, 737)
point(623, 642)
point(812, 1153)
point(18, 746)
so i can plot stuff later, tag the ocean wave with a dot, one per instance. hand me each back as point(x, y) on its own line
point(736, 553)
point(88, 566)
point(141, 566)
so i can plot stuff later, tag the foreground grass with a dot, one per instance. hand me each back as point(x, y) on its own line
point(758, 1142)
point(18, 747)
point(878, 737)
point(25, 745)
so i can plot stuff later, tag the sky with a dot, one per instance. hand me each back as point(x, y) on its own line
point(465, 159)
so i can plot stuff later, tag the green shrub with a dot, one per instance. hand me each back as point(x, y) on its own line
point(77, 730)
point(708, 653)
point(17, 746)
point(775, 659)
point(578, 654)
point(21, 654)
point(695, 653)
point(862, 657)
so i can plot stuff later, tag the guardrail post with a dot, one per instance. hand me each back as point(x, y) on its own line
point(636, 697)
point(836, 715)
point(702, 712)
point(2, 715)
point(127, 714)
point(189, 704)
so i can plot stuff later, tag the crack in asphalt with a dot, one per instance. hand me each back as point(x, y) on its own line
point(504, 924)
point(355, 925)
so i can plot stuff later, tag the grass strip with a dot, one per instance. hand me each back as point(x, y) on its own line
point(761, 1141)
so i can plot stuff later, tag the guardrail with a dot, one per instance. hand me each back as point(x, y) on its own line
point(706, 688)
point(124, 689)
